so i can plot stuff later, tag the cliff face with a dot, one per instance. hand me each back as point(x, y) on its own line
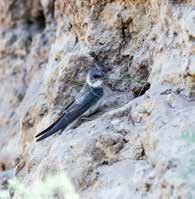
point(140, 144)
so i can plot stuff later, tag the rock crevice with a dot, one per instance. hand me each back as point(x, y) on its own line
point(140, 144)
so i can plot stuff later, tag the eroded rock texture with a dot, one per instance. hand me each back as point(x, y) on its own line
point(141, 143)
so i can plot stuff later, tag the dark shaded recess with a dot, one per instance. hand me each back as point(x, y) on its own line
point(141, 77)
point(3, 166)
point(175, 34)
point(126, 34)
point(138, 91)
point(105, 162)
point(36, 24)
point(147, 187)
point(192, 38)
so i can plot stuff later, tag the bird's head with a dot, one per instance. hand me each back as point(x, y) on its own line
point(95, 77)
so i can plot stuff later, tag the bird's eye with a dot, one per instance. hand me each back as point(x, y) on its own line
point(96, 76)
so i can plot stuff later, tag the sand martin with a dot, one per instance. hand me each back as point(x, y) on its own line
point(85, 103)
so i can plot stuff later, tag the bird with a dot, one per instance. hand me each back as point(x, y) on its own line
point(85, 103)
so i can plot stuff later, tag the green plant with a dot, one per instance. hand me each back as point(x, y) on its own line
point(187, 171)
point(48, 188)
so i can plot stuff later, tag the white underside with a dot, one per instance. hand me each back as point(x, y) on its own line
point(89, 112)
point(93, 109)
point(95, 84)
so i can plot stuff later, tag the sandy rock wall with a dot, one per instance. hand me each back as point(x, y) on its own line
point(140, 144)
point(25, 41)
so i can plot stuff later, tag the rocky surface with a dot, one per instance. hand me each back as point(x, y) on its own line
point(141, 142)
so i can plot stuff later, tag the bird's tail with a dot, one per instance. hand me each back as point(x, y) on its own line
point(61, 123)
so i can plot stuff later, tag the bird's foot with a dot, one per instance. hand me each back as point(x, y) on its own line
point(80, 121)
point(84, 118)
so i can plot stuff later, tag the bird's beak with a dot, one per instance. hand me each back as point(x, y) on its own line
point(103, 73)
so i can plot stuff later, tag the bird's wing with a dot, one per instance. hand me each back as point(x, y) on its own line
point(74, 111)
point(80, 95)
point(54, 123)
